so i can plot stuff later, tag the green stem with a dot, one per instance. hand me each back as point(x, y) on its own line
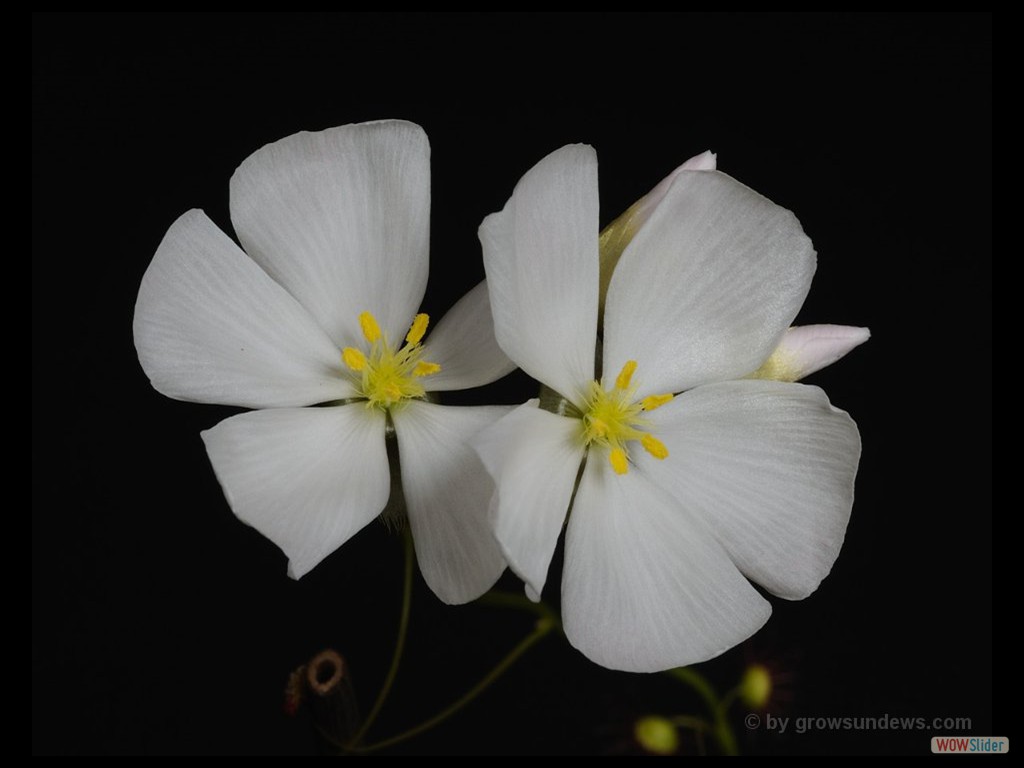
point(519, 601)
point(403, 627)
point(722, 730)
point(698, 725)
point(729, 698)
point(691, 722)
point(543, 627)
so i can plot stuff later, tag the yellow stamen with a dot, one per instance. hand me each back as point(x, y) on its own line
point(418, 329)
point(371, 331)
point(597, 428)
point(617, 457)
point(612, 419)
point(654, 446)
point(424, 368)
point(353, 358)
point(651, 402)
point(625, 375)
point(387, 377)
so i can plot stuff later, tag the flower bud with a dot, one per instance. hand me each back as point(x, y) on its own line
point(656, 735)
point(756, 686)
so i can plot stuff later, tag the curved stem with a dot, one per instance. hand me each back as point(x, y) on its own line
point(721, 729)
point(729, 698)
point(698, 725)
point(520, 602)
point(692, 723)
point(403, 627)
point(542, 628)
point(698, 682)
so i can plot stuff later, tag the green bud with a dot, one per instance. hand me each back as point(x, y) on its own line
point(656, 735)
point(756, 686)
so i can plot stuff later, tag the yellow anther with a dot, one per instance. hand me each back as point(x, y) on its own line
point(353, 358)
point(654, 446)
point(370, 328)
point(387, 377)
point(617, 457)
point(651, 402)
point(625, 375)
point(418, 330)
point(612, 419)
point(424, 368)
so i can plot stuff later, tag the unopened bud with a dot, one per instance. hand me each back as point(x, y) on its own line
point(756, 686)
point(656, 735)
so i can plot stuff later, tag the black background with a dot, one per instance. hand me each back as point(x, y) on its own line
point(160, 624)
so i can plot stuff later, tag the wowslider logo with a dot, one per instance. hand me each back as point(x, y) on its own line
point(977, 745)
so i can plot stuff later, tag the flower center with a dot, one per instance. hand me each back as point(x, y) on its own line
point(387, 376)
point(612, 418)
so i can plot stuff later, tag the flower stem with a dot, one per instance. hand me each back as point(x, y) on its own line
point(519, 601)
point(403, 627)
point(542, 628)
point(698, 726)
point(692, 723)
point(721, 729)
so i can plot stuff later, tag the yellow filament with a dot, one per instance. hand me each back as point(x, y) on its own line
point(613, 418)
point(388, 377)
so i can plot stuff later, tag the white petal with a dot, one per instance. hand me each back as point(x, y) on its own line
point(341, 219)
point(540, 254)
point(617, 235)
point(769, 467)
point(809, 348)
point(644, 207)
point(306, 478)
point(645, 588)
point(707, 287)
point(447, 492)
point(534, 457)
point(705, 161)
point(463, 344)
point(212, 327)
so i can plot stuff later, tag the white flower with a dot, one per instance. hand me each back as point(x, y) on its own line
point(336, 228)
point(694, 478)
